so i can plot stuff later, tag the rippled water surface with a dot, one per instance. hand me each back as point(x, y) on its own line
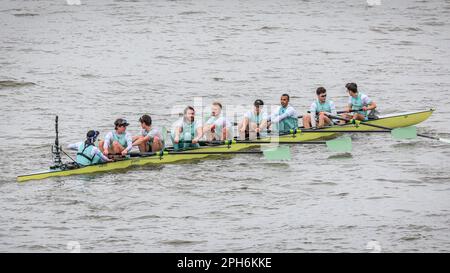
point(105, 59)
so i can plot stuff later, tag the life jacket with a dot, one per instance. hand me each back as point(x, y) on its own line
point(84, 156)
point(357, 104)
point(285, 125)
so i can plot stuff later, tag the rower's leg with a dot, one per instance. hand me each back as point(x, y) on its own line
point(323, 120)
point(143, 147)
point(117, 148)
point(225, 133)
point(345, 116)
point(358, 116)
point(100, 146)
point(252, 133)
point(157, 146)
point(307, 121)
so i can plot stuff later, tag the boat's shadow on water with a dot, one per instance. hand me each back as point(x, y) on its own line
point(341, 156)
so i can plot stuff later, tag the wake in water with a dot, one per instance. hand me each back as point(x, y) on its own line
point(14, 84)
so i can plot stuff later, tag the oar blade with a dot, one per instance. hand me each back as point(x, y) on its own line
point(340, 145)
point(277, 153)
point(409, 132)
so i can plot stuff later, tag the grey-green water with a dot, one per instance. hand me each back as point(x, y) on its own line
point(105, 59)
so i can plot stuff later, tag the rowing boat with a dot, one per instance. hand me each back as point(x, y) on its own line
point(391, 121)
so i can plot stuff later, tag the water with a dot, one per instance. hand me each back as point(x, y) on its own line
point(105, 59)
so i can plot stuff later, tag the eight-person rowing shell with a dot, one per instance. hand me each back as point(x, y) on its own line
point(188, 131)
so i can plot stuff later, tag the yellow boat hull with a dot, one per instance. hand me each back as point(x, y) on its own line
point(392, 121)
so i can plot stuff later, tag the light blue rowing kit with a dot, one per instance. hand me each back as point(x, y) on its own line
point(317, 107)
point(188, 133)
point(284, 119)
point(123, 139)
point(220, 122)
point(87, 154)
point(359, 102)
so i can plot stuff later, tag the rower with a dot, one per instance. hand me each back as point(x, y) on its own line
point(358, 103)
point(254, 122)
point(285, 117)
point(217, 127)
point(87, 153)
point(118, 141)
point(150, 139)
point(187, 131)
point(319, 110)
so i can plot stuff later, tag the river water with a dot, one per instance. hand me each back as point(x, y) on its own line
point(94, 62)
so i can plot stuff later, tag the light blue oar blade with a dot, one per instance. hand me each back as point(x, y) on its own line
point(404, 132)
point(278, 153)
point(341, 144)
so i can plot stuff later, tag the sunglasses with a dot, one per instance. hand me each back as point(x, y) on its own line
point(323, 96)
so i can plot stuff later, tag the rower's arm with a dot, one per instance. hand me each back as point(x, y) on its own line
point(107, 141)
point(74, 146)
point(141, 140)
point(129, 142)
point(349, 107)
point(333, 109)
point(177, 130)
point(244, 123)
point(372, 106)
point(312, 113)
point(101, 155)
point(263, 125)
point(289, 112)
point(207, 128)
point(199, 133)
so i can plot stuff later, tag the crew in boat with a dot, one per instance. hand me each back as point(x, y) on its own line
point(285, 117)
point(119, 141)
point(358, 103)
point(151, 138)
point(254, 122)
point(319, 110)
point(217, 127)
point(87, 152)
point(187, 131)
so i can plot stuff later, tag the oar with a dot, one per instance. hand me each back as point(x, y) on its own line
point(276, 153)
point(409, 132)
point(342, 144)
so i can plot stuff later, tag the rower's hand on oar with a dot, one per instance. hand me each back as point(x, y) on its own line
point(106, 152)
point(195, 140)
point(176, 140)
point(124, 152)
point(257, 130)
